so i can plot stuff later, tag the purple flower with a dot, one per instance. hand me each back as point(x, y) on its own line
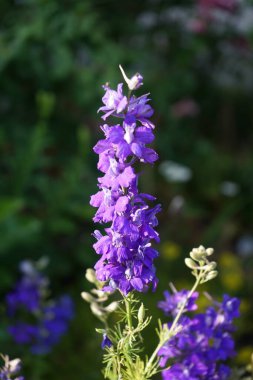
point(126, 255)
point(203, 343)
point(173, 302)
point(23, 333)
point(142, 111)
point(230, 307)
point(35, 320)
point(114, 101)
point(106, 342)
point(27, 294)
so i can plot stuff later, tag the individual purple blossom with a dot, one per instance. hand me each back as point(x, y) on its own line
point(10, 369)
point(106, 342)
point(203, 343)
point(126, 255)
point(142, 111)
point(114, 101)
point(35, 320)
point(173, 302)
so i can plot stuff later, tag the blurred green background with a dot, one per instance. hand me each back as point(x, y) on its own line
point(197, 61)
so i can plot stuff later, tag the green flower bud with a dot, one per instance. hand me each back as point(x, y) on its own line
point(88, 297)
point(91, 276)
point(201, 249)
point(210, 276)
point(100, 331)
point(101, 295)
point(141, 313)
point(198, 256)
point(97, 311)
point(209, 251)
point(212, 265)
point(111, 307)
point(191, 264)
point(209, 266)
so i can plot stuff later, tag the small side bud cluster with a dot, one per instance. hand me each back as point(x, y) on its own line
point(97, 297)
point(200, 264)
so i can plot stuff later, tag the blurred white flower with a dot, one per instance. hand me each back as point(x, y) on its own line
point(147, 20)
point(244, 246)
point(174, 172)
point(229, 189)
point(176, 204)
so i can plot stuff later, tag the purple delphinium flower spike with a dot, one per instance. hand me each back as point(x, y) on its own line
point(126, 261)
point(35, 320)
point(204, 342)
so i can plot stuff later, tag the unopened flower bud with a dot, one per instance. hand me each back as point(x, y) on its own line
point(135, 82)
point(91, 276)
point(100, 331)
point(141, 313)
point(209, 251)
point(101, 295)
point(201, 249)
point(211, 266)
point(196, 255)
point(211, 275)
point(96, 310)
point(111, 307)
point(190, 263)
point(87, 297)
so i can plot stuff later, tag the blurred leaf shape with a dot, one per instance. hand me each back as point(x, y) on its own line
point(9, 206)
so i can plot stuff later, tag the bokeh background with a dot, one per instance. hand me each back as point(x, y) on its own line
point(197, 61)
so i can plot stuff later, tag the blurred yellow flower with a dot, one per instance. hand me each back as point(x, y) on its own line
point(244, 306)
point(170, 250)
point(244, 355)
point(231, 273)
point(203, 302)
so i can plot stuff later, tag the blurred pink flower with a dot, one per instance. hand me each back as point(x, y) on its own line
point(185, 108)
point(228, 5)
point(197, 25)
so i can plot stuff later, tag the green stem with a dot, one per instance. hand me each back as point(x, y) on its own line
point(164, 338)
point(128, 312)
point(181, 310)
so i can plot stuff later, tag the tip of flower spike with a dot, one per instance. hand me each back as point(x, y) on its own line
point(133, 83)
